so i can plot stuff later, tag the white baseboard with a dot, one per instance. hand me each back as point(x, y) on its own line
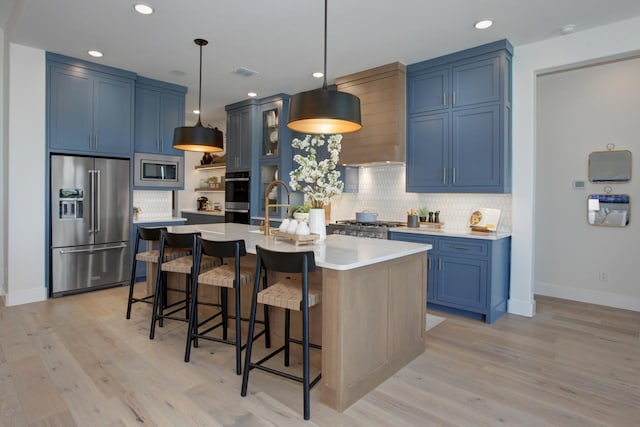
point(25, 296)
point(521, 307)
point(608, 299)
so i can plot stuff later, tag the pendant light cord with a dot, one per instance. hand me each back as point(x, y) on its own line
point(200, 42)
point(324, 85)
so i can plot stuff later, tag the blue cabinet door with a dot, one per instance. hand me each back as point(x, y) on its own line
point(239, 139)
point(171, 117)
point(158, 112)
point(428, 91)
point(70, 109)
point(476, 150)
point(427, 152)
point(476, 82)
point(462, 282)
point(147, 129)
point(113, 116)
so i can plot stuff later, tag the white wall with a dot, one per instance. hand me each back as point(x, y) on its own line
point(620, 39)
point(4, 63)
point(580, 111)
point(26, 176)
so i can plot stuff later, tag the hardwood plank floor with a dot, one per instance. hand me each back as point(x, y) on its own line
point(77, 361)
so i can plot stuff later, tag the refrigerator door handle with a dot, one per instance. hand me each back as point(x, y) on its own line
point(78, 251)
point(97, 196)
point(92, 201)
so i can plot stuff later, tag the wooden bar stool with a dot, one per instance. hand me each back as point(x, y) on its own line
point(289, 294)
point(149, 235)
point(224, 277)
point(182, 265)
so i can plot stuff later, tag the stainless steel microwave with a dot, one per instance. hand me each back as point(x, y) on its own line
point(156, 170)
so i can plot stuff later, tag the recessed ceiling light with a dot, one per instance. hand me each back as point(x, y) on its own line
point(484, 24)
point(567, 29)
point(252, 94)
point(317, 75)
point(143, 9)
point(95, 53)
point(196, 111)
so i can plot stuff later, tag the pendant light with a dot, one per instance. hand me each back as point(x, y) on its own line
point(324, 111)
point(198, 137)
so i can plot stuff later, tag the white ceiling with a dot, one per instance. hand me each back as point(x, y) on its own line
point(283, 39)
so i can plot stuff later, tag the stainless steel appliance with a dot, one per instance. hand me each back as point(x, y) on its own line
point(203, 203)
point(89, 223)
point(374, 230)
point(236, 197)
point(157, 170)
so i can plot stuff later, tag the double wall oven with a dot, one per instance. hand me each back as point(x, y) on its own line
point(236, 197)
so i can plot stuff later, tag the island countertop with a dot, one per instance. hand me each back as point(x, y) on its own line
point(337, 252)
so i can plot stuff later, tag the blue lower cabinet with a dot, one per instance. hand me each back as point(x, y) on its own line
point(141, 267)
point(466, 276)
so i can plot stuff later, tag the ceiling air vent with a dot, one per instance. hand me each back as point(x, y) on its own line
point(244, 72)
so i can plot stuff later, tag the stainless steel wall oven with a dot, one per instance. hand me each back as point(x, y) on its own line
point(237, 190)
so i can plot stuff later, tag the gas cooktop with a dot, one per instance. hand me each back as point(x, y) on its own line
point(388, 224)
point(375, 230)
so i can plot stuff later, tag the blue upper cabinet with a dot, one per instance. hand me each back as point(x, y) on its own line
point(159, 110)
point(89, 108)
point(459, 122)
point(241, 131)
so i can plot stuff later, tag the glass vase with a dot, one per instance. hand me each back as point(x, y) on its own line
point(317, 223)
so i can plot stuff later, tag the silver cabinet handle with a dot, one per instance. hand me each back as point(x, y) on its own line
point(444, 175)
point(462, 248)
point(454, 176)
point(454, 97)
point(96, 147)
point(90, 142)
point(444, 99)
point(428, 264)
point(439, 264)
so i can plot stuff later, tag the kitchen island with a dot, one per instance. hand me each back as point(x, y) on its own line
point(373, 305)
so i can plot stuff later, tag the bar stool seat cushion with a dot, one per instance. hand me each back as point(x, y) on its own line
point(169, 254)
point(225, 275)
point(185, 264)
point(287, 293)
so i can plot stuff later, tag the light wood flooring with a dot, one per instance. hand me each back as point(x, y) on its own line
point(76, 361)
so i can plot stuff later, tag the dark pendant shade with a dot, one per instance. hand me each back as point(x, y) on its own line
point(324, 111)
point(197, 138)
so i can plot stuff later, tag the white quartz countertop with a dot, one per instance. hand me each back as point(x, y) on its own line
point(450, 233)
point(337, 252)
point(163, 220)
point(195, 211)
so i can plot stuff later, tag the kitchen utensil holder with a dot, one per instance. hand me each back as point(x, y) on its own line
point(412, 221)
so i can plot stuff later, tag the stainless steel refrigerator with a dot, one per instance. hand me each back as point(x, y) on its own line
point(89, 223)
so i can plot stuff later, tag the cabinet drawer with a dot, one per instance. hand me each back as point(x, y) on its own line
point(470, 247)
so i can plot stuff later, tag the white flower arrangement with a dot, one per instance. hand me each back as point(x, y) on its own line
point(318, 180)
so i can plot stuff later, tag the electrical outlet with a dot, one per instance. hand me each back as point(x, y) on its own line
point(604, 276)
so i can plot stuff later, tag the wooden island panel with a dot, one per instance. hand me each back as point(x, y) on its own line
point(376, 315)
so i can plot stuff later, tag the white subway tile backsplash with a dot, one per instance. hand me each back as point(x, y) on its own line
point(154, 204)
point(382, 190)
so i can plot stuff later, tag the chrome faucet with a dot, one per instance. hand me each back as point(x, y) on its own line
point(267, 206)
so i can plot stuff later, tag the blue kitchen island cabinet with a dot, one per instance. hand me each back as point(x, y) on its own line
point(90, 108)
point(159, 110)
point(467, 276)
point(459, 122)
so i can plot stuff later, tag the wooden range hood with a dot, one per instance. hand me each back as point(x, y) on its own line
point(382, 93)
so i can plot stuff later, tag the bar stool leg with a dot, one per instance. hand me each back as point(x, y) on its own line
point(267, 326)
point(238, 329)
point(252, 324)
point(224, 296)
point(193, 322)
point(305, 354)
point(157, 304)
point(287, 335)
point(132, 282)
